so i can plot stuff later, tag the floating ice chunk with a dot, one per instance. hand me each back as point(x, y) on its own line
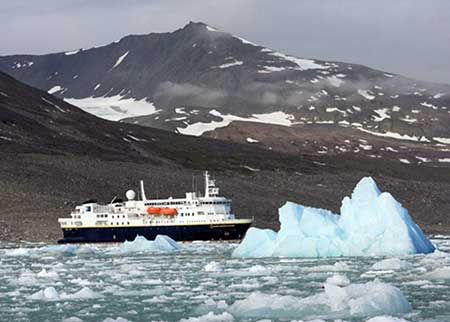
point(72, 319)
point(210, 305)
point(161, 243)
point(257, 243)
point(371, 223)
point(48, 294)
point(26, 279)
point(386, 318)
point(17, 252)
point(339, 280)
point(394, 264)
point(119, 319)
point(213, 267)
point(211, 317)
point(84, 293)
point(438, 274)
point(355, 300)
point(59, 249)
point(48, 274)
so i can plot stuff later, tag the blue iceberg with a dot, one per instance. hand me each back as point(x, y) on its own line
point(371, 224)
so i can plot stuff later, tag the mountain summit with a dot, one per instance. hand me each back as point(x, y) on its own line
point(197, 79)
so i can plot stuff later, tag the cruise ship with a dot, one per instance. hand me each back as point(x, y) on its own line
point(194, 217)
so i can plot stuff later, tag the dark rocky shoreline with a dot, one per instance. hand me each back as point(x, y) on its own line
point(37, 189)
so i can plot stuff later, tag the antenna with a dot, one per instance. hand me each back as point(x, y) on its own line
point(115, 197)
point(143, 191)
point(193, 183)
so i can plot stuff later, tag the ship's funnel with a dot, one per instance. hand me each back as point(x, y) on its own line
point(143, 191)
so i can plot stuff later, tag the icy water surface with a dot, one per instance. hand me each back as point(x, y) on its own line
point(102, 283)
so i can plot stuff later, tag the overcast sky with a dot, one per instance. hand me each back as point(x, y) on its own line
point(409, 37)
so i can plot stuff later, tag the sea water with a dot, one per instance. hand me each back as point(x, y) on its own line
point(202, 282)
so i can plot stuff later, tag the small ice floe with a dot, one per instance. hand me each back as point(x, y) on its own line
point(118, 319)
point(338, 279)
point(211, 317)
point(161, 243)
point(394, 264)
point(386, 318)
point(50, 294)
point(354, 300)
point(213, 267)
point(438, 274)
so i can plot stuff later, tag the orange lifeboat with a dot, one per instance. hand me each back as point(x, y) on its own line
point(169, 212)
point(154, 211)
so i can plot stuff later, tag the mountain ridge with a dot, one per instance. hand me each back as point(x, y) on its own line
point(197, 79)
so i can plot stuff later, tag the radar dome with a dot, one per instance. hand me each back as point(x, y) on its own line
point(130, 194)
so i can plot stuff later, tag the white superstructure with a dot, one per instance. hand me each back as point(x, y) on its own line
point(210, 209)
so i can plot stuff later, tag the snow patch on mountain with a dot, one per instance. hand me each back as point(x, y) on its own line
point(366, 94)
point(335, 81)
point(120, 59)
point(54, 105)
point(209, 28)
point(396, 135)
point(303, 64)
point(114, 108)
point(426, 104)
point(382, 114)
point(244, 41)
point(442, 140)
point(54, 89)
point(234, 63)
point(69, 53)
point(197, 129)
point(270, 69)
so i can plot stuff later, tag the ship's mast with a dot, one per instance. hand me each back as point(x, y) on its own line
point(210, 187)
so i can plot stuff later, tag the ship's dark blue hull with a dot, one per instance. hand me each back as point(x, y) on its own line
point(178, 233)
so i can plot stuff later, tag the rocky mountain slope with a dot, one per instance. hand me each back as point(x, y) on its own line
point(53, 156)
point(197, 79)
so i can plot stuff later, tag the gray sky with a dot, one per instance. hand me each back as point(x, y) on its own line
point(409, 37)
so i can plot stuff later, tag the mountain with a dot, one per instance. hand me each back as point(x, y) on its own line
point(54, 155)
point(198, 79)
